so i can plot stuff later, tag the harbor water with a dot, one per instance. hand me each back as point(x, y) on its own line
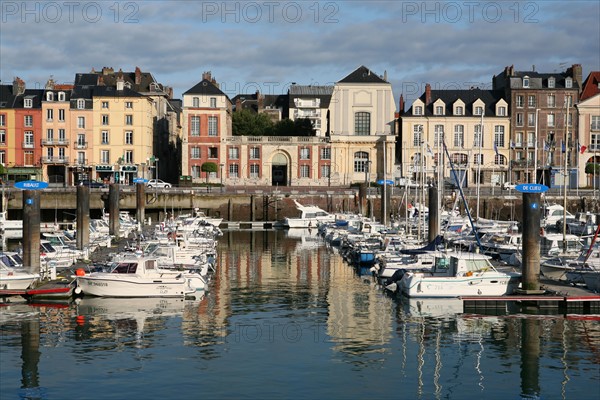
point(286, 318)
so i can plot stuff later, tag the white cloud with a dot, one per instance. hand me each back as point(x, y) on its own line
point(272, 44)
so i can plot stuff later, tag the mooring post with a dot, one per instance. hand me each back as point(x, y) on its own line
point(113, 210)
point(31, 231)
point(83, 217)
point(252, 207)
point(434, 228)
point(140, 201)
point(530, 279)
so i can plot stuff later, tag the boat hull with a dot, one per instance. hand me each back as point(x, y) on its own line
point(111, 286)
point(17, 282)
point(420, 285)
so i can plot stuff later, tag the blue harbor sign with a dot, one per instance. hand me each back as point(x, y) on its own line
point(386, 182)
point(31, 185)
point(140, 180)
point(531, 188)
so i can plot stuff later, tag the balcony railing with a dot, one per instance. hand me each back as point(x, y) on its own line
point(55, 142)
point(28, 145)
point(80, 145)
point(521, 163)
point(54, 160)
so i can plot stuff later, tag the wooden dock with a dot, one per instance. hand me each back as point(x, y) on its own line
point(559, 297)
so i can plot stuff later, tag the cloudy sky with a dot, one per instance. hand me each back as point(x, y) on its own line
point(267, 45)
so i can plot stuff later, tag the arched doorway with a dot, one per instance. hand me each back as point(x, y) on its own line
point(279, 170)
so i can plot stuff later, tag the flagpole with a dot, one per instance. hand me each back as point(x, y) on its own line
point(537, 110)
point(480, 137)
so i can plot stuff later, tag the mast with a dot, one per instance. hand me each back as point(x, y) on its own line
point(535, 155)
point(566, 175)
point(479, 139)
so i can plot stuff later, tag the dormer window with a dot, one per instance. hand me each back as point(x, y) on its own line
point(478, 110)
point(49, 96)
point(439, 110)
point(418, 110)
point(61, 96)
point(458, 110)
point(80, 104)
point(569, 82)
point(551, 82)
point(28, 103)
point(526, 82)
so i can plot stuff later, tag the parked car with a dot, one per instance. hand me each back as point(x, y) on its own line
point(158, 183)
point(509, 185)
point(92, 184)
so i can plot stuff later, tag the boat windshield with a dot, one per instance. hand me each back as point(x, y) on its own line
point(125, 268)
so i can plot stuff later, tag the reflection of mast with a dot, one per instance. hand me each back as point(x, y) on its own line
point(421, 359)
point(438, 364)
point(563, 360)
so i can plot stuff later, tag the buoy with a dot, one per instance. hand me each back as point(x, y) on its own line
point(80, 272)
point(80, 320)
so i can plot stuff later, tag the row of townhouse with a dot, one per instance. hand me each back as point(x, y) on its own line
point(530, 127)
point(107, 125)
point(118, 126)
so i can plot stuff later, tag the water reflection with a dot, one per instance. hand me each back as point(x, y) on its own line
point(277, 299)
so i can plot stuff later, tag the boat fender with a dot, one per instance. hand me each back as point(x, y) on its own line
point(469, 273)
point(80, 272)
point(77, 290)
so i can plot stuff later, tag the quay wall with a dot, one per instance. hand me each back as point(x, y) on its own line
point(272, 205)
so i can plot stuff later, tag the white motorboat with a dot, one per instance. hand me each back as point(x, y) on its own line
point(16, 278)
point(134, 277)
point(310, 217)
point(460, 274)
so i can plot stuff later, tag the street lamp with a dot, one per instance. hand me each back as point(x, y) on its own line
point(221, 174)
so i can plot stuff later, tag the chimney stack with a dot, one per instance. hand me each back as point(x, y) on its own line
point(401, 104)
point(18, 86)
point(576, 73)
point(138, 76)
point(427, 94)
point(259, 101)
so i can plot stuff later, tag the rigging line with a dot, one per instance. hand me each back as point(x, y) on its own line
point(462, 195)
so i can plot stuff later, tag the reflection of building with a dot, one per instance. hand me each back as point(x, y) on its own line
point(478, 152)
point(540, 104)
point(589, 129)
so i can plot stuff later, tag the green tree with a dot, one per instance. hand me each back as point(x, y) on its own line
point(592, 169)
point(248, 123)
point(208, 167)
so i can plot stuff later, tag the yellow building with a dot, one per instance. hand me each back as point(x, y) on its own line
point(7, 137)
point(57, 143)
point(474, 125)
point(122, 136)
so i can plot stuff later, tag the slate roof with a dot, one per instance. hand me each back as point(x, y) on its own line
point(110, 79)
point(362, 75)
point(324, 93)
point(468, 96)
point(538, 80)
point(37, 95)
point(206, 88)
point(250, 101)
point(591, 86)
